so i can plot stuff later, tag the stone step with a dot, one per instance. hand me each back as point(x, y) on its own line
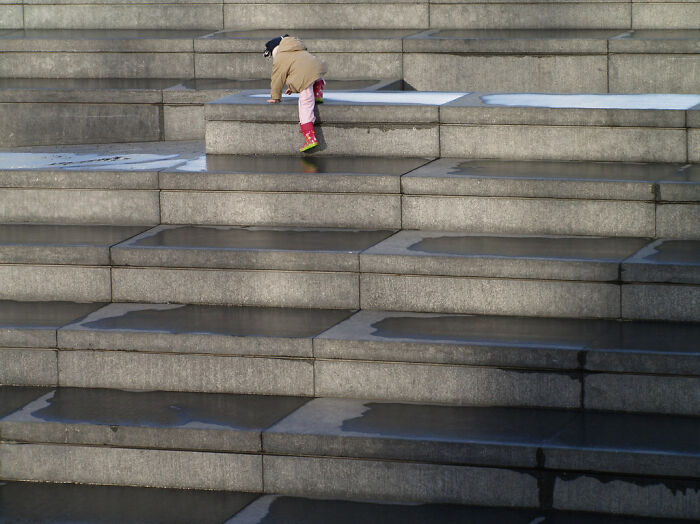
point(564, 60)
point(447, 272)
point(351, 449)
point(384, 14)
point(453, 359)
point(508, 126)
point(41, 111)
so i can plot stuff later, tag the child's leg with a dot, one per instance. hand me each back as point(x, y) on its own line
point(318, 90)
point(306, 106)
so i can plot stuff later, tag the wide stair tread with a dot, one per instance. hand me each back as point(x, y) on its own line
point(312, 441)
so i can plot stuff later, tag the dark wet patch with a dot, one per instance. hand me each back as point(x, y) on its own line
point(238, 238)
point(13, 398)
point(36, 234)
point(607, 171)
point(495, 425)
point(232, 321)
point(632, 432)
point(484, 330)
point(290, 510)
point(676, 486)
point(43, 314)
point(605, 249)
point(31, 503)
point(675, 252)
point(165, 409)
point(671, 337)
point(304, 165)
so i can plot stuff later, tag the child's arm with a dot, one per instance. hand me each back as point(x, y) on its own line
point(277, 83)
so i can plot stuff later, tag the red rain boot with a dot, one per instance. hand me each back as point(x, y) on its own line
point(309, 136)
point(318, 90)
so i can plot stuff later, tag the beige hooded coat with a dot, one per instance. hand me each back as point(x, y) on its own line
point(293, 65)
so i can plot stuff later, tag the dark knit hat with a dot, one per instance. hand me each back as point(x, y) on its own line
point(269, 46)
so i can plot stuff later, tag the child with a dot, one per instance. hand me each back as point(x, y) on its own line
point(303, 73)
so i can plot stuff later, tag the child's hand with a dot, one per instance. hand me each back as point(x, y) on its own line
point(288, 92)
point(273, 101)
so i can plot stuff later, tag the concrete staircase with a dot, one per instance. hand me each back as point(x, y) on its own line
point(465, 306)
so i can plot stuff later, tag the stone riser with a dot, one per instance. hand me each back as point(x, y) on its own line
point(472, 295)
point(411, 382)
point(507, 142)
point(504, 72)
point(239, 15)
point(474, 214)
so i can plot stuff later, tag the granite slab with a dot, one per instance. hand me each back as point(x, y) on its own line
point(200, 329)
point(505, 437)
point(247, 248)
point(61, 244)
point(671, 261)
point(154, 420)
point(34, 324)
point(462, 255)
point(287, 173)
point(578, 180)
point(683, 187)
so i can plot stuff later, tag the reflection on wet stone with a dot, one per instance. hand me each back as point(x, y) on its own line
point(240, 238)
point(612, 249)
point(43, 314)
point(13, 398)
point(675, 252)
point(236, 321)
point(512, 425)
point(164, 409)
point(29, 503)
point(483, 329)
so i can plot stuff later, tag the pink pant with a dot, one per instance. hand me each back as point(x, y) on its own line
point(307, 102)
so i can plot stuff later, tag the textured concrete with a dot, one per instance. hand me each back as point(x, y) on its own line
point(231, 287)
point(183, 122)
point(247, 248)
point(97, 65)
point(525, 15)
point(28, 367)
point(99, 16)
point(35, 502)
point(694, 144)
point(537, 216)
point(661, 302)
point(462, 385)
point(489, 296)
point(331, 15)
point(678, 221)
point(642, 393)
point(681, 14)
point(608, 144)
point(654, 73)
point(131, 467)
point(63, 283)
point(27, 177)
point(152, 420)
point(360, 211)
point(441, 434)
point(515, 73)
point(42, 124)
point(364, 479)
point(665, 261)
point(334, 139)
point(580, 180)
point(11, 17)
point(50, 244)
point(456, 254)
point(193, 373)
point(76, 206)
point(169, 328)
point(34, 324)
point(84, 90)
point(683, 187)
point(628, 496)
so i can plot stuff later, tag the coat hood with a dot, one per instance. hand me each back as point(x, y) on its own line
point(291, 43)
